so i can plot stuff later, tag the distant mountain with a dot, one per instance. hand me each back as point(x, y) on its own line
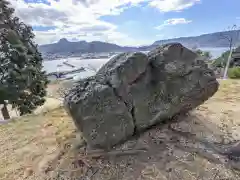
point(217, 39)
point(63, 46)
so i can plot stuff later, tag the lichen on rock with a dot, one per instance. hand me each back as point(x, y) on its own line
point(134, 91)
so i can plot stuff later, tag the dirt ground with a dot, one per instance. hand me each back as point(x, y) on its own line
point(192, 147)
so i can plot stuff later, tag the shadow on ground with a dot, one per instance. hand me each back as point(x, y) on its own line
point(192, 147)
point(196, 146)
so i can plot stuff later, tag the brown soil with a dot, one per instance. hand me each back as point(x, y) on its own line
point(192, 147)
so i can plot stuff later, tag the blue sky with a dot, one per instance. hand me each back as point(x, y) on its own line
point(139, 22)
point(126, 22)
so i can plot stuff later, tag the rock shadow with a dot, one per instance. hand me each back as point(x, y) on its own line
point(188, 147)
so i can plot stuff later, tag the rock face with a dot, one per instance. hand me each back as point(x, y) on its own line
point(134, 91)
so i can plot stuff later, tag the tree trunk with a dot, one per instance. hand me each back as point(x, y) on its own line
point(5, 112)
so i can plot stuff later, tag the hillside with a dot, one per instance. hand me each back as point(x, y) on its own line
point(205, 40)
point(63, 46)
point(43, 146)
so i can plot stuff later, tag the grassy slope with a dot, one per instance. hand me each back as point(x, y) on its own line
point(29, 144)
point(24, 143)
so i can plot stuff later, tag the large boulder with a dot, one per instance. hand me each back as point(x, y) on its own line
point(134, 91)
point(178, 82)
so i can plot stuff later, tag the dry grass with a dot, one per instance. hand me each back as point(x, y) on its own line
point(223, 109)
point(28, 143)
point(33, 147)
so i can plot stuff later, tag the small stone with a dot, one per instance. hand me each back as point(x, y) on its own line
point(47, 125)
point(28, 172)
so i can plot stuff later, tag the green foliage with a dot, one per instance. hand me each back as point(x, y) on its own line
point(234, 73)
point(221, 61)
point(22, 81)
point(205, 54)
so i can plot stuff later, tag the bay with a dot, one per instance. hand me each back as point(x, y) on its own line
point(92, 65)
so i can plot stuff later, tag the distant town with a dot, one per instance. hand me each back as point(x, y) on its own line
point(51, 56)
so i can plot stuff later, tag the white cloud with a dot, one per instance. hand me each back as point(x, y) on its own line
point(75, 19)
point(173, 5)
point(172, 22)
point(80, 19)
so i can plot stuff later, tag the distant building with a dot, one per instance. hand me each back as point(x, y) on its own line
point(235, 57)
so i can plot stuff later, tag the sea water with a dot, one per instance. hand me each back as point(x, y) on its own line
point(92, 65)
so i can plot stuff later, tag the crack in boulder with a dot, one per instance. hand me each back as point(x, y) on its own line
point(134, 120)
point(138, 78)
point(130, 93)
point(130, 107)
